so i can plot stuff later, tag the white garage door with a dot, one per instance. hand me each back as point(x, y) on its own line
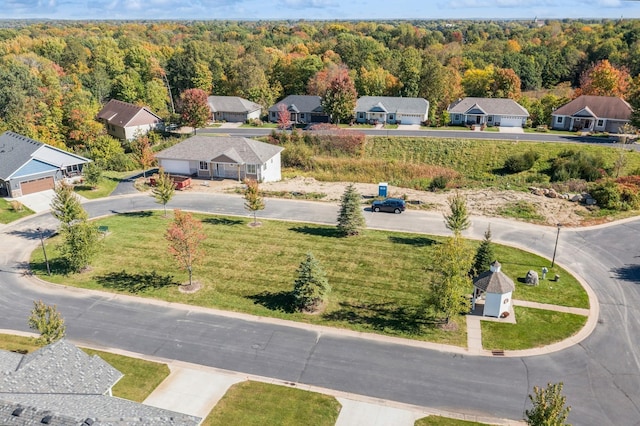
point(178, 167)
point(511, 122)
point(410, 118)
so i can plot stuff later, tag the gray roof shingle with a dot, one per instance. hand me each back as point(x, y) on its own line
point(602, 106)
point(231, 104)
point(302, 103)
point(494, 281)
point(393, 104)
point(207, 148)
point(490, 106)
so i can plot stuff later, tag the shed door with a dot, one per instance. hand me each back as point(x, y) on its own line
point(37, 185)
point(511, 122)
point(178, 167)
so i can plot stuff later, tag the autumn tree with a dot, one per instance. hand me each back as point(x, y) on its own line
point(185, 238)
point(339, 101)
point(284, 117)
point(458, 218)
point(311, 286)
point(350, 218)
point(47, 321)
point(164, 189)
point(549, 406)
point(194, 108)
point(144, 153)
point(505, 84)
point(253, 200)
point(603, 79)
point(477, 82)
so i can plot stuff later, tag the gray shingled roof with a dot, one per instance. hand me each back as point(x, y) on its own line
point(123, 114)
point(393, 104)
point(231, 104)
point(494, 282)
point(602, 106)
point(491, 106)
point(17, 150)
point(206, 148)
point(303, 103)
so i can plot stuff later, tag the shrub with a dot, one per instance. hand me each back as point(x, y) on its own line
point(438, 182)
point(577, 165)
point(297, 155)
point(16, 206)
point(606, 194)
point(522, 162)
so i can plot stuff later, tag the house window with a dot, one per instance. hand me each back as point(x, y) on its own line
point(490, 118)
point(72, 169)
point(457, 117)
point(251, 169)
point(361, 115)
point(559, 120)
point(390, 116)
point(204, 165)
point(600, 123)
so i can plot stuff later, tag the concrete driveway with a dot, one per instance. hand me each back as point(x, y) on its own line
point(40, 202)
point(513, 130)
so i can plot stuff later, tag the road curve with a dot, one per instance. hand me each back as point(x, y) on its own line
point(600, 374)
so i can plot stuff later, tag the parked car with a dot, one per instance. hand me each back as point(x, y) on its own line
point(391, 205)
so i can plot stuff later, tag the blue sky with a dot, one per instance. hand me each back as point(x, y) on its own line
point(317, 9)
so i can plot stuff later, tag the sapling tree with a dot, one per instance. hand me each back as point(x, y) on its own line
point(458, 220)
point(164, 189)
point(350, 218)
point(185, 239)
point(47, 321)
point(549, 407)
point(253, 200)
point(311, 286)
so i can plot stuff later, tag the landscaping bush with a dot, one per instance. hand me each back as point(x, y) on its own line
point(297, 155)
point(438, 182)
point(577, 165)
point(522, 162)
point(606, 194)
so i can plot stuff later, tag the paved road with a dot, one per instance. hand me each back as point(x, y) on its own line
point(600, 374)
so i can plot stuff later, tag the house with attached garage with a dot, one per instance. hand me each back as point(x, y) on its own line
point(222, 157)
point(391, 110)
point(305, 109)
point(61, 385)
point(28, 166)
point(126, 121)
point(233, 109)
point(593, 114)
point(488, 111)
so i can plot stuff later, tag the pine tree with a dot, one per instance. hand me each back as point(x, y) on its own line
point(350, 218)
point(548, 406)
point(458, 220)
point(253, 200)
point(311, 287)
point(484, 255)
point(164, 189)
point(47, 321)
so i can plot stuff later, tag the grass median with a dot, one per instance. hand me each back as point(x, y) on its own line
point(379, 280)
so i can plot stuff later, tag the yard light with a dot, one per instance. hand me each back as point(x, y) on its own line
point(555, 248)
point(44, 250)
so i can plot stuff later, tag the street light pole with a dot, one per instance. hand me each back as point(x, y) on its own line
point(44, 250)
point(555, 248)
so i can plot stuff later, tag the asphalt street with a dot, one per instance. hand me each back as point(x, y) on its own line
point(601, 374)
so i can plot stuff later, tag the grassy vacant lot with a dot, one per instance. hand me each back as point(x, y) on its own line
point(7, 214)
point(444, 421)
point(535, 328)
point(379, 279)
point(106, 186)
point(255, 403)
point(140, 377)
point(413, 162)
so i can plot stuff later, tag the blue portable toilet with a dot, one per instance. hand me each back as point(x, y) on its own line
point(382, 189)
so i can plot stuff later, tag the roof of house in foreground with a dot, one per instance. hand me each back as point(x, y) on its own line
point(60, 384)
point(600, 106)
point(489, 106)
point(209, 148)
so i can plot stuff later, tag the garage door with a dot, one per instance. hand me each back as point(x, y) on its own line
point(178, 167)
point(409, 119)
point(37, 185)
point(511, 122)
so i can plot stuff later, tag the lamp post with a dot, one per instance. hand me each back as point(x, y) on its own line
point(555, 248)
point(44, 250)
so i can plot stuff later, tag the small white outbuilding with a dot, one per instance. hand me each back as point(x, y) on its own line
point(497, 289)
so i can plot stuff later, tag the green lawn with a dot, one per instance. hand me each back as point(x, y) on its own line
point(140, 377)
point(534, 328)
point(106, 185)
point(444, 421)
point(378, 279)
point(8, 214)
point(255, 403)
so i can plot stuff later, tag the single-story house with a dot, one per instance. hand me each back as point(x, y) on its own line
point(391, 110)
point(592, 113)
point(222, 157)
point(28, 166)
point(60, 384)
point(488, 111)
point(126, 121)
point(302, 109)
point(233, 109)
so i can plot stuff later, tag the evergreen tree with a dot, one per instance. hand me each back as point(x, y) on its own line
point(311, 287)
point(79, 245)
point(548, 406)
point(458, 219)
point(484, 255)
point(350, 218)
point(47, 321)
point(164, 190)
point(66, 206)
point(253, 200)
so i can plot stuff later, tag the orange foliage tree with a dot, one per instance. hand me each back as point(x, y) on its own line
point(185, 238)
point(603, 79)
